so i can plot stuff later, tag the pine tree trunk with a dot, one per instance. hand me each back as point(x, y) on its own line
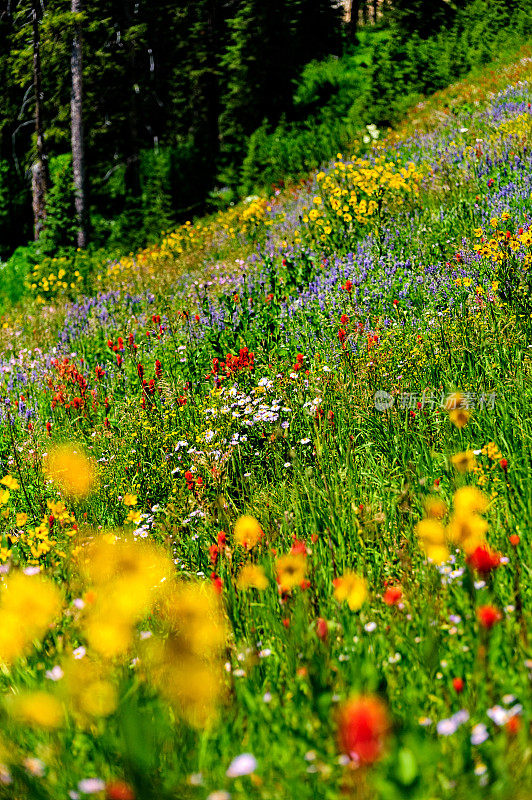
point(212, 89)
point(132, 176)
point(76, 115)
point(375, 11)
point(40, 181)
point(354, 12)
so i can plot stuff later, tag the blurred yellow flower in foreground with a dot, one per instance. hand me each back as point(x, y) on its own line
point(88, 692)
point(467, 531)
point(291, 570)
point(435, 507)
point(28, 606)
point(37, 708)
point(351, 588)
point(469, 499)
point(432, 539)
point(248, 532)
point(252, 577)
point(186, 666)
point(459, 417)
point(466, 528)
point(464, 462)
point(10, 482)
point(126, 579)
point(72, 470)
point(453, 401)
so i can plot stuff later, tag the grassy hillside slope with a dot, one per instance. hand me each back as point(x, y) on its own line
point(286, 550)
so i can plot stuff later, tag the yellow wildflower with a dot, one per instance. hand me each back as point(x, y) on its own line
point(468, 500)
point(432, 539)
point(467, 530)
point(72, 470)
point(252, 577)
point(464, 462)
point(459, 417)
point(28, 605)
point(37, 708)
point(248, 532)
point(351, 588)
point(291, 570)
point(10, 482)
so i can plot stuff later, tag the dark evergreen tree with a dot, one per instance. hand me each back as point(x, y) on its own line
point(269, 45)
point(420, 17)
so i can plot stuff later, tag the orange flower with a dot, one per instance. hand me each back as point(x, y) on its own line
point(392, 595)
point(513, 726)
point(363, 727)
point(119, 790)
point(458, 685)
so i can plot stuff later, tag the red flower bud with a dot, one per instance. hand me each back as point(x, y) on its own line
point(322, 629)
point(458, 685)
point(119, 790)
point(488, 616)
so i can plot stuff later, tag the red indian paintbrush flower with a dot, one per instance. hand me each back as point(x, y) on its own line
point(363, 727)
point(483, 559)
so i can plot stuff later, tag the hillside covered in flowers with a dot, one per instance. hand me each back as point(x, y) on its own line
point(266, 486)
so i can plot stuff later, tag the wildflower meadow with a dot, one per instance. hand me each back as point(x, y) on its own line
point(266, 489)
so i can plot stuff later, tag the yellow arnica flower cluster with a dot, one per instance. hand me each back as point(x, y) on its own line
point(520, 126)
point(466, 527)
point(500, 244)
point(53, 278)
point(352, 196)
point(247, 218)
